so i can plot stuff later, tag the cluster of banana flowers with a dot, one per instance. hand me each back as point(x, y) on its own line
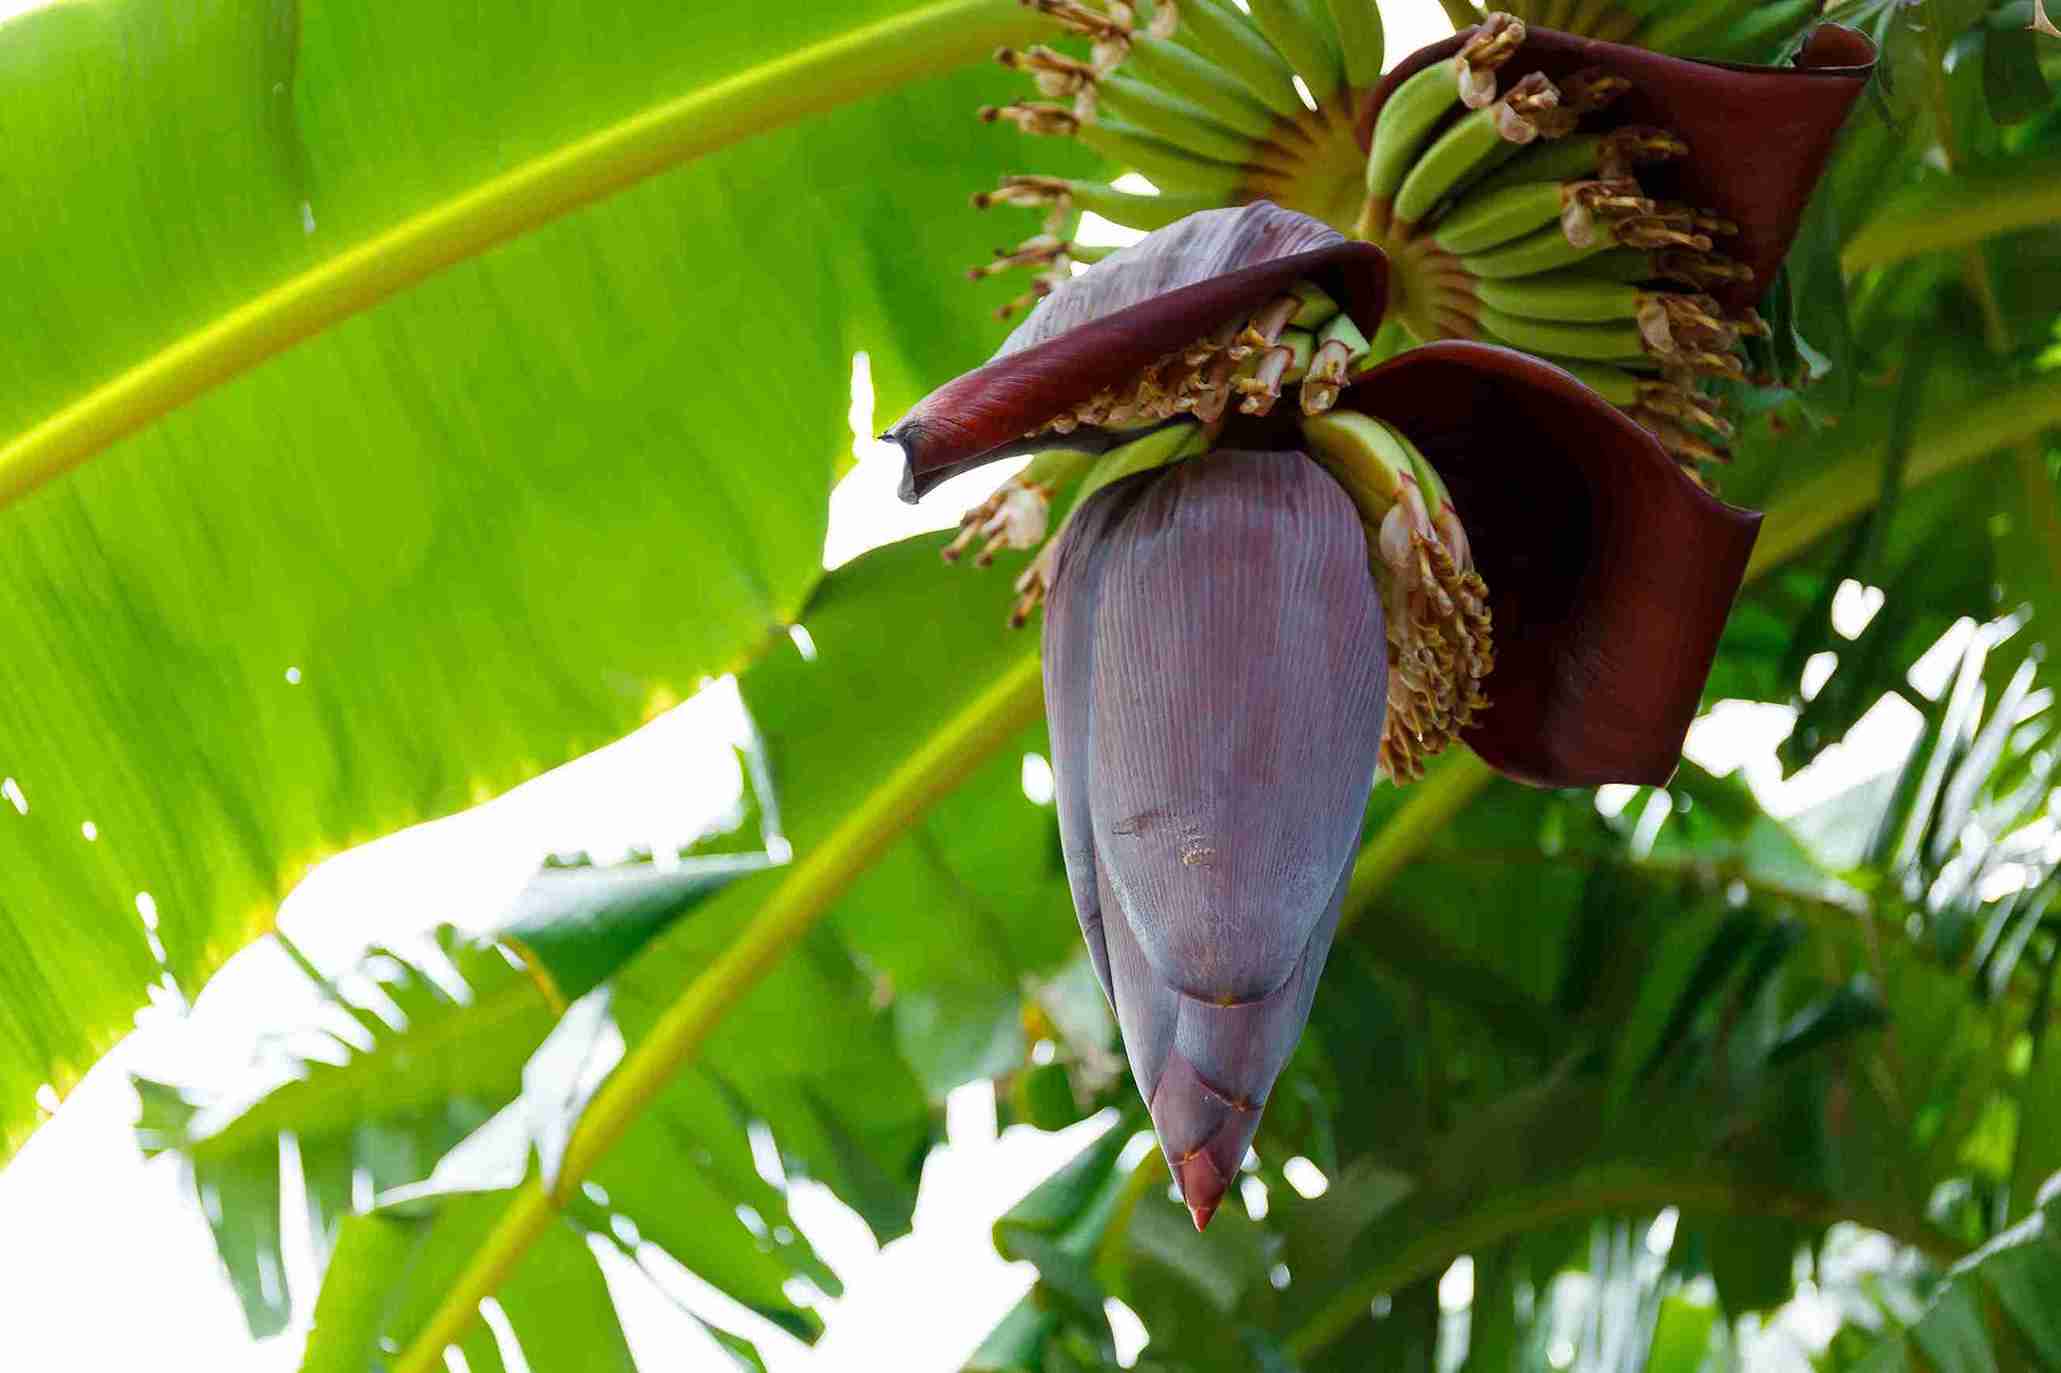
point(1287, 567)
point(1588, 201)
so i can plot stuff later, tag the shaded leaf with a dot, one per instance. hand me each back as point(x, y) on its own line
point(255, 630)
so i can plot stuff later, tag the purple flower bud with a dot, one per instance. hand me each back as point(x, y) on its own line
point(1216, 677)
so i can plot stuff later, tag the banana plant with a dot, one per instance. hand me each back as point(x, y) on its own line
point(349, 480)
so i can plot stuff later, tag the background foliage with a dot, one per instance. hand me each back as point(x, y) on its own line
point(447, 389)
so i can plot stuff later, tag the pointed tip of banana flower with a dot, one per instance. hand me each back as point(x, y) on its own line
point(1202, 1187)
point(1204, 1136)
point(1758, 136)
point(1119, 317)
point(1610, 573)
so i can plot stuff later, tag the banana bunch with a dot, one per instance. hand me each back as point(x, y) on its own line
point(1511, 211)
point(1435, 605)
point(1204, 99)
point(1513, 226)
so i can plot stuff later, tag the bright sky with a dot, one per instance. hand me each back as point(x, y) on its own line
point(105, 1265)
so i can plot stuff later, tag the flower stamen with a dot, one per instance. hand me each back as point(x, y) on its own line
point(1495, 42)
point(1055, 74)
point(1520, 115)
point(1015, 515)
point(1028, 192)
point(1635, 145)
point(1702, 270)
point(1032, 116)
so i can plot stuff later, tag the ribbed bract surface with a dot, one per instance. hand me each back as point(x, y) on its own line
point(1215, 676)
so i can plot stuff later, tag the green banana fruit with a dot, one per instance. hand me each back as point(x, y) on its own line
point(1557, 296)
point(1376, 466)
point(1630, 265)
point(1614, 384)
point(1147, 212)
point(1173, 120)
point(1475, 142)
point(1360, 39)
point(1341, 329)
point(1303, 36)
point(1056, 193)
point(1167, 444)
point(1578, 157)
point(1547, 159)
point(1196, 79)
point(1316, 308)
point(1542, 250)
point(1486, 219)
point(1412, 112)
point(1590, 342)
point(1161, 163)
point(1302, 345)
point(1228, 39)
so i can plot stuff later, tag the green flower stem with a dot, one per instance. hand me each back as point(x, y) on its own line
point(1944, 443)
point(1967, 211)
point(1422, 1251)
point(811, 81)
point(810, 888)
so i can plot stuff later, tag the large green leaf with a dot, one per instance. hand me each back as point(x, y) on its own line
point(1523, 987)
point(324, 512)
point(443, 1054)
point(392, 1264)
point(948, 921)
point(1946, 213)
point(1999, 1308)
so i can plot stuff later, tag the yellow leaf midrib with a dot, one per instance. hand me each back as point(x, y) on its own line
point(814, 80)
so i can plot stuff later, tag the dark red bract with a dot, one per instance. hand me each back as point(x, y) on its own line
point(1610, 574)
point(1131, 308)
